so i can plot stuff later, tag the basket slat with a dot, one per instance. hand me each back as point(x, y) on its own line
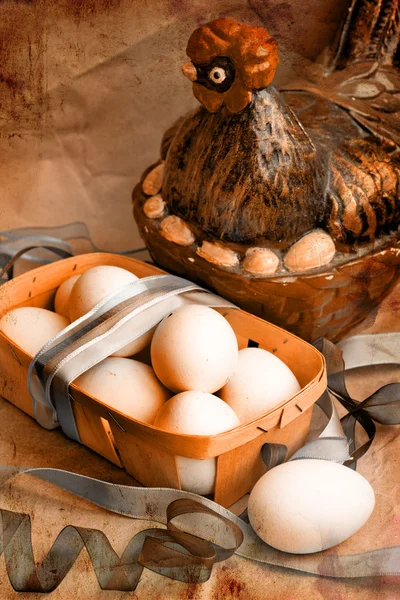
point(239, 469)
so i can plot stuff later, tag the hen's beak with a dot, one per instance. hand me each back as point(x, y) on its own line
point(189, 70)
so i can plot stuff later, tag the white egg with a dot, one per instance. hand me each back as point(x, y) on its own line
point(196, 413)
point(309, 505)
point(94, 285)
point(30, 328)
point(127, 385)
point(61, 300)
point(194, 348)
point(260, 382)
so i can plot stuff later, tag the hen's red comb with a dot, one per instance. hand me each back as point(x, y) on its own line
point(252, 50)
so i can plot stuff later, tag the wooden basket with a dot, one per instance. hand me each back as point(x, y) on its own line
point(148, 453)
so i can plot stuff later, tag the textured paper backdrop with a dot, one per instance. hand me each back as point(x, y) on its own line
point(87, 88)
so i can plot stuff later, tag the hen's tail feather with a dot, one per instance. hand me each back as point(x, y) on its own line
point(362, 192)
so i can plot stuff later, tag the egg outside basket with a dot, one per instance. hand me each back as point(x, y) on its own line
point(147, 453)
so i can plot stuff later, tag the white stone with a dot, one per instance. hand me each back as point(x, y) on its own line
point(313, 251)
point(218, 254)
point(153, 181)
point(174, 229)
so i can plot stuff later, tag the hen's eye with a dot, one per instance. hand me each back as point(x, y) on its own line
point(217, 75)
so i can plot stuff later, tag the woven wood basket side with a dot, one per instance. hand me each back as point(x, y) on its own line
point(327, 303)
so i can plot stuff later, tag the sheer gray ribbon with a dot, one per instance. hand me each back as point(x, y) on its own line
point(383, 406)
point(15, 240)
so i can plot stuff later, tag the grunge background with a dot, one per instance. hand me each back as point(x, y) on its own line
point(87, 88)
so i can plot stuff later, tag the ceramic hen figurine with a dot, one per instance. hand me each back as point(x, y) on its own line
point(260, 192)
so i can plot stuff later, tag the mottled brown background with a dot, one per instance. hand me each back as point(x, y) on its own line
point(87, 87)
point(86, 90)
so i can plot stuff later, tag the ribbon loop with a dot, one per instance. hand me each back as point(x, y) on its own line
point(9, 259)
point(184, 506)
point(23, 240)
point(273, 454)
point(383, 406)
point(162, 555)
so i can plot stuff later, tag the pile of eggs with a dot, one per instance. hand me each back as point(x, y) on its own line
point(195, 382)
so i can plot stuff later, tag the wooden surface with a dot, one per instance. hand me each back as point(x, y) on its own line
point(22, 442)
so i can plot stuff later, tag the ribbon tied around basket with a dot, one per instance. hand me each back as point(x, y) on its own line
point(175, 552)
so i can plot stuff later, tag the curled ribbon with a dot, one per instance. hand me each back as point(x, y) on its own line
point(170, 552)
point(383, 406)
